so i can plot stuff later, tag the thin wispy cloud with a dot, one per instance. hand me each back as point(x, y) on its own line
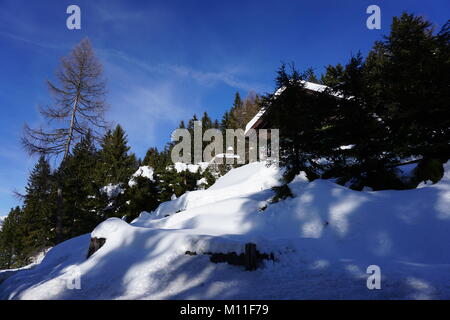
point(229, 77)
point(149, 100)
point(19, 38)
point(212, 78)
point(148, 107)
point(110, 12)
point(147, 113)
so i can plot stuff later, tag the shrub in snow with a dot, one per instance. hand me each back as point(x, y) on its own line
point(429, 169)
point(145, 172)
point(281, 193)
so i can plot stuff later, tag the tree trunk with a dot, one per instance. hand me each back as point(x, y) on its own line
point(59, 236)
point(59, 208)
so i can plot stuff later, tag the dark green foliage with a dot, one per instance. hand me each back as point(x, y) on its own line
point(12, 248)
point(115, 164)
point(177, 183)
point(281, 193)
point(303, 122)
point(206, 122)
point(38, 216)
point(155, 159)
point(333, 75)
point(377, 112)
point(226, 122)
point(311, 76)
point(235, 113)
point(28, 230)
point(409, 76)
point(429, 169)
point(210, 179)
point(142, 196)
point(82, 208)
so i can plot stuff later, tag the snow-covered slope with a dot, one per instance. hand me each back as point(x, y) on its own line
point(323, 240)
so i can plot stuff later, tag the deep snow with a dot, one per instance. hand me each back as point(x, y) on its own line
point(323, 240)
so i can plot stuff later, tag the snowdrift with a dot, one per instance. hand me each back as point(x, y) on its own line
point(323, 240)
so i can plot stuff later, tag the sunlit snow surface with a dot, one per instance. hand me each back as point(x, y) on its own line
point(323, 239)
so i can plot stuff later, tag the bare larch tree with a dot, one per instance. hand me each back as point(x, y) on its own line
point(78, 108)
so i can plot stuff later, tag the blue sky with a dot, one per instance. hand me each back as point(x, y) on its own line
point(166, 60)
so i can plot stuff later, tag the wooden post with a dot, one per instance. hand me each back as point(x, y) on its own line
point(251, 262)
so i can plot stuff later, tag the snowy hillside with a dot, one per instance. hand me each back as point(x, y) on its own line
point(323, 240)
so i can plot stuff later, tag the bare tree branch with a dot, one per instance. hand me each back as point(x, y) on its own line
point(78, 108)
point(78, 104)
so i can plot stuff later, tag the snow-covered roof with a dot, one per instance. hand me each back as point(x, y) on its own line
point(255, 119)
point(308, 85)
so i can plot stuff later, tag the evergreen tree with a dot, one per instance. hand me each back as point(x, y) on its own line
point(367, 161)
point(142, 195)
point(12, 250)
point(226, 122)
point(38, 221)
point(152, 158)
point(116, 165)
point(295, 108)
point(190, 125)
point(333, 75)
point(311, 76)
point(82, 209)
point(206, 122)
point(113, 171)
point(236, 112)
point(409, 76)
